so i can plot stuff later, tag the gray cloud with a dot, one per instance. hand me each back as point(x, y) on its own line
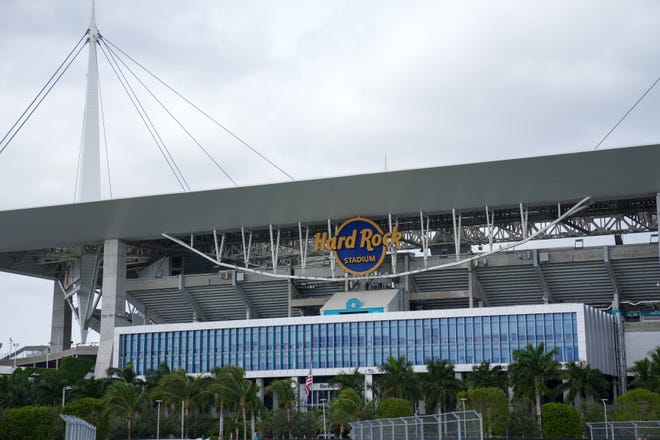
point(325, 88)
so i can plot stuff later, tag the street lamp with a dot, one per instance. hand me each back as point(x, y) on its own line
point(13, 345)
point(325, 432)
point(158, 420)
point(64, 390)
point(463, 399)
point(605, 413)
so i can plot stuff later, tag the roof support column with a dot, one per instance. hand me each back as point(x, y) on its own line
point(620, 338)
point(60, 328)
point(474, 285)
point(198, 314)
point(250, 310)
point(457, 233)
point(113, 310)
point(547, 293)
point(470, 285)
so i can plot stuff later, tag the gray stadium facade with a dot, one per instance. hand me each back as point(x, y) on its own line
point(232, 276)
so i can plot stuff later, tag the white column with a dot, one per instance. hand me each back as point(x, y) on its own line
point(113, 311)
point(60, 328)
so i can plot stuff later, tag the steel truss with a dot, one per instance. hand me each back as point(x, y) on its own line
point(216, 253)
point(258, 248)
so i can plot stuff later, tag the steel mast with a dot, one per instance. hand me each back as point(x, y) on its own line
point(89, 184)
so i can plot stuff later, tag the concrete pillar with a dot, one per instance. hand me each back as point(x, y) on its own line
point(470, 285)
point(86, 269)
point(113, 311)
point(260, 389)
point(368, 387)
point(60, 328)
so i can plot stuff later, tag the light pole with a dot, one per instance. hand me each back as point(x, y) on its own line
point(64, 390)
point(13, 345)
point(182, 419)
point(158, 420)
point(463, 399)
point(605, 413)
point(325, 432)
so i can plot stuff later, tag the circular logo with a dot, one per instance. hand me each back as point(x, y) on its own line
point(363, 249)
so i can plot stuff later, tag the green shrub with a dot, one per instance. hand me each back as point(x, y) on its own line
point(394, 407)
point(31, 422)
point(493, 404)
point(560, 420)
point(638, 404)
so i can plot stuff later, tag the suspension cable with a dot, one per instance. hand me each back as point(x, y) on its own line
point(150, 122)
point(80, 152)
point(137, 107)
point(231, 133)
point(105, 139)
point(627, 113)
point(55, 77)
point(204, 150)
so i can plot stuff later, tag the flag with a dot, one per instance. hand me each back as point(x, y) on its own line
point(308, 385)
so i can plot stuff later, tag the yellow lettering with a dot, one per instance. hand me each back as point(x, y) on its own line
point(319, 241)
point(351, 240)
point(331, 244)
point(395, 239)
point(365, 239)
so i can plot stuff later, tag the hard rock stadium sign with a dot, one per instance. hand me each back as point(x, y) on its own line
point(358, 246)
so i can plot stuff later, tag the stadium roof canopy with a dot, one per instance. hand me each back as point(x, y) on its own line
point(603, 174)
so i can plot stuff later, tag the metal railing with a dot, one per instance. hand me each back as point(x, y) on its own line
point(629, 430)
point(459, 425)
point(78, 429)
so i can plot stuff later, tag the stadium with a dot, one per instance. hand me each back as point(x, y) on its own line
point(233, 276)
point(319, 277)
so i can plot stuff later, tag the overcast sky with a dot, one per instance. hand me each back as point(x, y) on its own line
point(322, 88)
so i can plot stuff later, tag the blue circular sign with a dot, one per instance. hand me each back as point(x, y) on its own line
point(362, 248)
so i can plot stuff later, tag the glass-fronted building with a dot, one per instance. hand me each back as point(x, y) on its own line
point(286, 347)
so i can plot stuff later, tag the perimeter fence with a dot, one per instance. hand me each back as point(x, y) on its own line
point(630, 430)
point(78, 429)
point(459, 425)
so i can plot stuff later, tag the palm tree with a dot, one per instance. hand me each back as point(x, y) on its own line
point(440, 384)
point(655, 369)
point(348, 406)
point(127, 374)
point(353, 380)
point(284, 391)
point(644, 376)
point(584, 381)
point(531, 371)
point(247, 395)
point(124, 397)
point(177, 387)
point(398, 379)
point(223, 388)
point(483, 376)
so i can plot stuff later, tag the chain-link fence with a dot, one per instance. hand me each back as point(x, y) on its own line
point(633, 430)
point(460, 425)
point(78, 429)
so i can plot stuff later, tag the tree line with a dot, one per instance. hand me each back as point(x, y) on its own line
point(535, 395)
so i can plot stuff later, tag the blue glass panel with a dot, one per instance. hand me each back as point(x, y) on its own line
point(410, 341)
point(460, 340)
point(452, 341)
point(444, 338)
point(435, 339)
point(530, 329)
point(469, 340)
